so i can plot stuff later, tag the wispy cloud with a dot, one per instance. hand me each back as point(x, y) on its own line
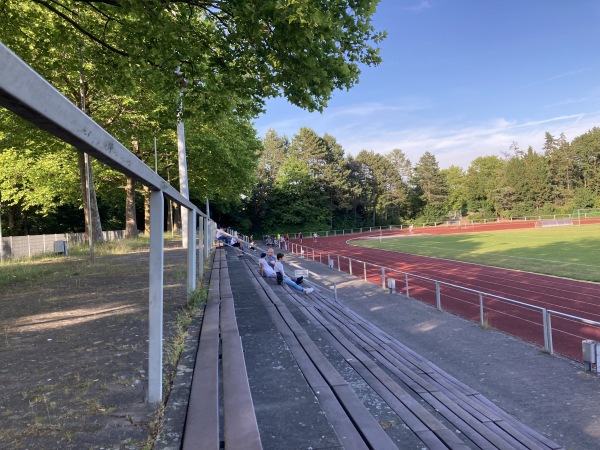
point(556, 77)
point(460, 145)
point(424, 5)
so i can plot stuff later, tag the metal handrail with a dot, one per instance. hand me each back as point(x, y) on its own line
point(546, 313)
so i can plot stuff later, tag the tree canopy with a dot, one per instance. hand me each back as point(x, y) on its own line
point(130, 64)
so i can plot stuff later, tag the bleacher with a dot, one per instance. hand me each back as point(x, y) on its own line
point(300, 371)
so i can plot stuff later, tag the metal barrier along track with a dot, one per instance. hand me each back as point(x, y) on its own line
point(552, 330)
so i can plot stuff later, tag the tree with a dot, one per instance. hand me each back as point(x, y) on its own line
point(484, 182)
point(457, 195)
point(233, 55)
point(427, 176)
point(562, 166)
point(587, 150)
point(374, 172)
point(527, 175)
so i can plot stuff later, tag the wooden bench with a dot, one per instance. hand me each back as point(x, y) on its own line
point(423, 396)
point(219, 334)
point(482, 422)
point(352, 422)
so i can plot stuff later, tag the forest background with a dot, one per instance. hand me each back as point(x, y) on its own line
point(131, 67)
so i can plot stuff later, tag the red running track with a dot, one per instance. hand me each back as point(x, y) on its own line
point(576, 298)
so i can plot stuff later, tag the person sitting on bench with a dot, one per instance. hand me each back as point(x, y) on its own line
point(282, 277)
point(264, 268)
point(237, 242)
point(270, 258)
point(222, 236)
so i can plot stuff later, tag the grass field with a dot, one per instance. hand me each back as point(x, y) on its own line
point(571, 252)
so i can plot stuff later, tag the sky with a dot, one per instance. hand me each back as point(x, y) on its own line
point(463, 79)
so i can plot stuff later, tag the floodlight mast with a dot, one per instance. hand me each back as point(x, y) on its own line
point(181, 154)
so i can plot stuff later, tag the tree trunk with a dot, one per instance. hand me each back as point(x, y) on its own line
point(130, 216)
point(96, 226)
point(146, 211)
point(11, 219)
point(176, 218)
point(131, 230)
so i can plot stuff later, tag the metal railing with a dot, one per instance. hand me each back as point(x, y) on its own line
point(529, 322)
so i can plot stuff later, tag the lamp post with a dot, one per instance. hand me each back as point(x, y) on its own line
point(181, 154)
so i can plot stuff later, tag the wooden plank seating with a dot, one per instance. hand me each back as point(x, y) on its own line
point(483, 423)
point(219, 332)
point(354, 425)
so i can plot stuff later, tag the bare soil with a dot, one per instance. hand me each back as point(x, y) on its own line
point(73, 353)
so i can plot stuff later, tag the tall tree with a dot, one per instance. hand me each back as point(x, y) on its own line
point(483, 182)
point(587, 150)
point(457, 195)
point(427, 176)
point(233, 55)
point(562, 166)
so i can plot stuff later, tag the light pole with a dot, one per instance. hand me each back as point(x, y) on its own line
point(181, 154)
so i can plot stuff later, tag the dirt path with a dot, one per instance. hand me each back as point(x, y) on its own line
point(73, 354)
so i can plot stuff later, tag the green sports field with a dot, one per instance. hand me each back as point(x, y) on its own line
point(571, 251)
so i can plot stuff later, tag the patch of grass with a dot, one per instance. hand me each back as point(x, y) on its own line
point(569, 252)
point(49, 267)
point(174, 347)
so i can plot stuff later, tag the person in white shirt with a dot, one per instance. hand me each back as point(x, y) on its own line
point(287, 280)
point(264, 268)
point(222, 236)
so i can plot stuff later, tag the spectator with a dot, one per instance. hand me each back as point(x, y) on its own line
point(287, 280)
point(271, 260)
point(236, 242)
point(264, 268)
point(222, 236)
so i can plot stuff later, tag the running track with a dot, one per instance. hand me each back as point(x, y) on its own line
point(576, 298)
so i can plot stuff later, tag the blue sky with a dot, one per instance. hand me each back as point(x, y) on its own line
point(465, 78)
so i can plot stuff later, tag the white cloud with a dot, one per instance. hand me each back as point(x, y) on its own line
point(424, 5)
point(460, 145)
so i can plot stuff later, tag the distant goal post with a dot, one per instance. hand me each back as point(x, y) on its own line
point(585, 214)
point(453, 218)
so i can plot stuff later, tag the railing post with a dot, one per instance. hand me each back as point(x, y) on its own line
point(339, 267)
point(321, 257)
point(547, 319)
point(155, 313)
point(313, 253)
point(200, 247)
point(438, 297)
point(406, 282)
point(350, 265)
point(365, 270)
point(191, 249)
point(383, 277)
point(481, 321)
